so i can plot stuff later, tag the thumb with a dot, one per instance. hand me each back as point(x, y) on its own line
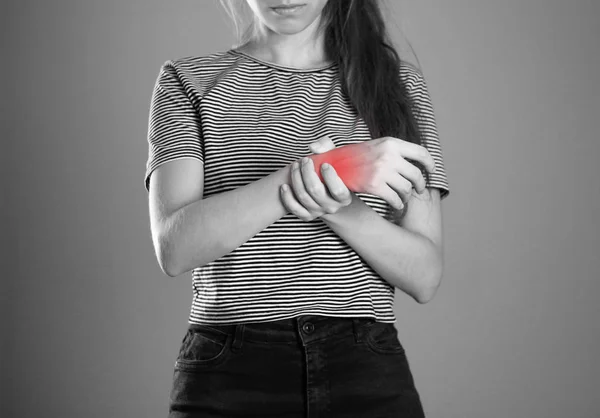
point(324, 144)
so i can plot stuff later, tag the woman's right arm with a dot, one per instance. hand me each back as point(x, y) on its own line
point(189, 231)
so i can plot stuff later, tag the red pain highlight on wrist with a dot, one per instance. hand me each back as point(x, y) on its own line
point(349, 164)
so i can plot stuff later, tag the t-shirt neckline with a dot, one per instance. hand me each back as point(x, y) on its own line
point(281, 67)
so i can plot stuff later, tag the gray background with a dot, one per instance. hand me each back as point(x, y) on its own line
point(91, 326)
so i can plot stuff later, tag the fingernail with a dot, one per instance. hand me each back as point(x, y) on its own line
point(284, 187)
point(325, 166)
point(305, 160)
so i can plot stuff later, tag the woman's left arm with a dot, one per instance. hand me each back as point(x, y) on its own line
point(407, 253)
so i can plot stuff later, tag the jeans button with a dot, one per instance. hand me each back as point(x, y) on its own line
point(308, 327)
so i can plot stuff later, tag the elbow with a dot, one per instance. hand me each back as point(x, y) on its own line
point(169, 269)
point(427, 293)
point(166, 259)
point(168, 266)
point(433, 277)
point(429, 287)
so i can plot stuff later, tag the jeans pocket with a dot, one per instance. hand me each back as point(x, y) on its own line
point(382, 338)
point(202, 346)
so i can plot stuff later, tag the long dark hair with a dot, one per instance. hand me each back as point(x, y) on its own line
point(357, 40)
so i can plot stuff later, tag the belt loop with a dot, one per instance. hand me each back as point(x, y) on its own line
point(357, 330)
point(238, 337)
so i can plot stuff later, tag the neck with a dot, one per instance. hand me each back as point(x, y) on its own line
point(302, 50)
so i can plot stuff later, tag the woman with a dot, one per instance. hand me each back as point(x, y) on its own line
point(293, 287)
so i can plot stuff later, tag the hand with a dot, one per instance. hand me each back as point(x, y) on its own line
point(310, 198)
point(380, 167)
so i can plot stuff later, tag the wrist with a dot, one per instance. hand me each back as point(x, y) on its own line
point(330, 218)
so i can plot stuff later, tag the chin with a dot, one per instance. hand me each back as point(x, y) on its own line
point(289, 29)
point(287, 24)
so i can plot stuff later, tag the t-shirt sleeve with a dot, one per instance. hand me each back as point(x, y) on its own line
point(424, 114)
point(174, 128)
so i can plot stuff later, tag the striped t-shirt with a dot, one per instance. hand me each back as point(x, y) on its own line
point(245, 118)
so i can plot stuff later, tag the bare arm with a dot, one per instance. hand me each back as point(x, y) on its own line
point(407, 253)
point(189, 231)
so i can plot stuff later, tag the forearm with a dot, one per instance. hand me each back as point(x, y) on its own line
point(405, 259)
point(210, 228)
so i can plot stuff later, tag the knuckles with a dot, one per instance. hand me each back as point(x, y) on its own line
point(313, 190)
point(302, 195)
point(415, 172)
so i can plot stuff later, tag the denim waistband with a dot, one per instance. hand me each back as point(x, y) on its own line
point(304, 327)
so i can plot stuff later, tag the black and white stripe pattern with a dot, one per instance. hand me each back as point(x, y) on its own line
point(245, 118)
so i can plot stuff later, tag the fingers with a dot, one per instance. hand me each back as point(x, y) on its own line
point(308, 197)
point(309, 189)
point(291, 204)
point(298, 179)
point(390, 196)
point(401, 186)
point(418, 153)
point(336, 187)
point(412, 174)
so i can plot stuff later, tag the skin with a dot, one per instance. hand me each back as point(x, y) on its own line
point(407, 253)
point(189, 230)
point(286, 38)
point(319, 192)
point(294, 41)
point(358, 171)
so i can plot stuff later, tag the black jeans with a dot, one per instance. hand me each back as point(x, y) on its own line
point(306, 367)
